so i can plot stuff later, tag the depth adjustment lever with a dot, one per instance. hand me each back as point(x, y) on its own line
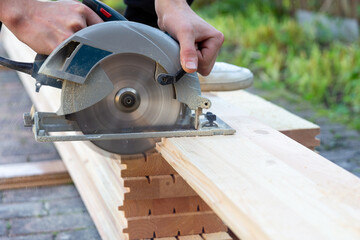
point(166, 79)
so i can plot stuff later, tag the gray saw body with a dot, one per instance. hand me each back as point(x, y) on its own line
point(110, 95)
point(88, 83)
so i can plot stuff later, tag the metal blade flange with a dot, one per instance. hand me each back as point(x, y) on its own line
point(137, 103)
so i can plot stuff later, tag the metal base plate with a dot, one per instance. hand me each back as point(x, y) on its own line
point(45, 125)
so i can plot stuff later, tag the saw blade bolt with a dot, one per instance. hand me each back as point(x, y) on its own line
point(127, 100)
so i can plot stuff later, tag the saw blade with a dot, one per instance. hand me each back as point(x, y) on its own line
point(137, 103)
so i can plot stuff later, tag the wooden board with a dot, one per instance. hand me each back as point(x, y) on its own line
point(157, 187)
point(148, 164)
point(174, 225)
point(165, 206)
point(297, 128)
point(264, 185)
point(30, 174)
point(203, 236)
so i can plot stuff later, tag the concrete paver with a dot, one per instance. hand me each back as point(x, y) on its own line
point(50, 224)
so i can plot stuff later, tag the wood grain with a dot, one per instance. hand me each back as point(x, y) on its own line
point(216, 236)
point(154, 187)
point(174, 225)
point(148, 164)
point(264, 185)
point(137, 208)
point(253, 106)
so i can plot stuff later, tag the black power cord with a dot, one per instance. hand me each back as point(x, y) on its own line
point(18, 66)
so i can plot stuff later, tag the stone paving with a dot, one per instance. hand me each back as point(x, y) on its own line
point(58, 212)
point(45, 213)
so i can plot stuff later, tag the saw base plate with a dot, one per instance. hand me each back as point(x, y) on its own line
point(49, 127)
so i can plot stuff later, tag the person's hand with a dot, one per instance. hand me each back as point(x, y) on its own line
point(44, 25)
point(199, 41)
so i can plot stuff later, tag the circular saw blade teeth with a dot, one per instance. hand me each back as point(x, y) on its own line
point(156, 107)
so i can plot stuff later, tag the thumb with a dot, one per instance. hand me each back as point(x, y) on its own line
point(188, 54)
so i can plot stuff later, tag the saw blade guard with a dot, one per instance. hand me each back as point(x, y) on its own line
point(76, 62)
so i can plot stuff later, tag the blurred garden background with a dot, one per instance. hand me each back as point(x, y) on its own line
point(314, 53)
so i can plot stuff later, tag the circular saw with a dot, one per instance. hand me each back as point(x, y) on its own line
point(122, 88)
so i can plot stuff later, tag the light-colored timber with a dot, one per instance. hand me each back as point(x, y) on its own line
point(216, 236)
point(264, 185)
point(155, 187)
point(30, 174)
point(297, 128)
point(164, 206)
point(174, 224)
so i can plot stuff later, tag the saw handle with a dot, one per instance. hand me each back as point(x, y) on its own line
point(105, 12)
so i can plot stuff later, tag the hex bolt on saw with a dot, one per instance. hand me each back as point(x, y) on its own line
point(121, 87)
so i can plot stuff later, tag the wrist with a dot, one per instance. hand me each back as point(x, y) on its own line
point(166, 7)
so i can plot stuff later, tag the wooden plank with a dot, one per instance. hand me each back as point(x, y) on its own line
point(137, 208)
point(216, 236)
point(33, 174)
point(264, 185)
point(174, 225)
point(297, 128)
point(99, 186)
point(166, 238)
point(153, 187)
point(204, 236)
point(148, 164)
point(191, 237)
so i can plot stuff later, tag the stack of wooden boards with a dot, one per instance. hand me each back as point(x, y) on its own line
point(159, 203)
point(258, 167)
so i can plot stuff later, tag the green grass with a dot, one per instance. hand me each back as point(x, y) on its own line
point(284, 56)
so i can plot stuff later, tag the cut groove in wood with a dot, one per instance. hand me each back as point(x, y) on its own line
point(148, 164)
point(154, 187)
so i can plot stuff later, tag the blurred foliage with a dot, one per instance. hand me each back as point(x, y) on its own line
point(263, 37)
point(119, 5)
